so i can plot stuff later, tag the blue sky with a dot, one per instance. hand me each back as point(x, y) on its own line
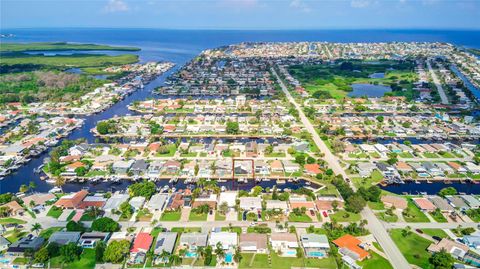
point(242, 14)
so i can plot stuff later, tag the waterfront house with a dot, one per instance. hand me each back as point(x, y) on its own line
point(471, 201)
point(4, 243)
point(253, 242)
point(30, 241)
point(251, 203)
point(276, 166)
point(457, 202)
point(277, 205)
point(139, 167)
point(122, 167)
point(284, 243)
point(315, 245)
point(441, 204)
point(457, 167)
point(114, 202)
point(64, 238)
point(424, 204)
point(172, 166)
point(312, 169)
point(165, 242)
point(71, 201)
point(394, 201)
point(15, 209)
point(155, 168)
point(137, 202)
point(191, 241)
point(472, 241)
point(472, 168)
point(366, 169)
point(301, 202)
point(290, 167)
point(403, 167)
point(157, 202)
point(326, 203)
point(227, 239)
point(209, 199)
point(228, 197)
point(96, 200)
point(350, 246)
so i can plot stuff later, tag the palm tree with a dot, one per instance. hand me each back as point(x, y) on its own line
point(176, 260)
point(201, 252)
point(237, 257)
point(219, 251)
point(36, 227)
point(164, 256)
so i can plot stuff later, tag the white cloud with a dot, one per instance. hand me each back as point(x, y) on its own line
point(299, 4)
point(116, 6)
point(360, 3)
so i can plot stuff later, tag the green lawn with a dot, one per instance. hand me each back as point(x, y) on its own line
point(386, 217)
point(299, 218)
point(413, 247)
point(171, 216)
point(435, 232)
point(200, 262)
point(86, 261)
point(197, 217)
point(172, 148)
point(430, 155)
point(13, 236)
point(71, 215)
point(20, 261)
point(344, 216)
point(54, 212)
point(11, 221)
point(48, 232)
point(376, 261)
point(219, 216)
point(376, 205)
point(260, 261)
point(187, 230)
point(438, 216)
point(416, 215)
point(59, 46)
point(405, 155)
point(374, 178)
point(287, 262)
point(234, 229)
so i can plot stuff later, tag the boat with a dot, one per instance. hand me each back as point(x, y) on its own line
point(223, 188)
point(281, 182)
point(55, 190)
point(165, 188)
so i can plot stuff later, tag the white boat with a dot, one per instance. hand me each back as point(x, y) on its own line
point(55, 190)
point(165, 188)
point(223, 189)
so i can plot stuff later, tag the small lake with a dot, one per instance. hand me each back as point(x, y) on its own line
point(369, 90)
point(377, 75)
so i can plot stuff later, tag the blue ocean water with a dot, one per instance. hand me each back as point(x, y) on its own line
point(179, 46)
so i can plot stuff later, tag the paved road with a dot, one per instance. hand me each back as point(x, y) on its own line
point(437, 83)
point(394, 255)
point(430, 225)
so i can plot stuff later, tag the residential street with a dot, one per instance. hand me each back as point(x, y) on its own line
point(438, 85)
point(398, 261)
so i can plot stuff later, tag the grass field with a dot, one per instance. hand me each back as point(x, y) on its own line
point(299, 218)
point(197, 217)
point(186, 230)
point(386, 217)
point(69, 61)
point(287, 263)
point(11, 221)
point(344, 216)
point(219, 217)
point(416, 215)
point(86, 261)
point(438, 216)
point(435, 232)
point(259, 261)
point(55, 212)
point(413, 247)
point(171, 216)
point(48, 232)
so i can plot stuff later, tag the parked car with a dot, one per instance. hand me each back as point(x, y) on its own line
point(325, 214)
point(419, 231)
point(438, 238)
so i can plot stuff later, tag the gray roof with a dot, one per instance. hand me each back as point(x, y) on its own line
point(29, 241)
point(4, 241)
point(165, 241)
point(139, 165)
point(457, 202)
point(116, 200)
point(157, 201)
point(441, 203)
point(196, 239)
point(63, 238)
point(471, 201)
point(320, 238)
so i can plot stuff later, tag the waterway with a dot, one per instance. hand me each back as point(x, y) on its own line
point(431, 188)
point(179, 46)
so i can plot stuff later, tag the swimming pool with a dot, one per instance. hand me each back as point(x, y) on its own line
point(228, 257)
point(290, 253)
point(315, 254)
point(4, 261)
point(190, 254)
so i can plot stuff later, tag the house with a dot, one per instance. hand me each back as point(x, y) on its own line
point(471, 201)
point(457, 250)
point(227, 239)
point(457, 167)
point(118, 236)
point(286, 243)
point(122, 167)
point(4, 243)
point(290, 167)
point(312, 169)
point(365, 169)
point(472, 241)
point(142, 243)
point(276, 166)
point(90, 239)
point(228, 197)
point(15, 208)
point(155, 168)
point(64, 238)
point(441, 204)
point(71, 201)
point(28, 242)
point(403, 167)
point(96, 200)
point(315, 245)
point(172, 166)
point(38, 199)
point(253, 242)
point(350, 246)
point(250, 203)
point(209, 199)
point(326, 203)
point(394, 201)
point(139, 167)
point(424, 204)
point(191, 241)
point(114, 202)
point(301, 202)
point(137, 202)
point(277, 205)
point(472, 168)
point(457, 202)
point(157, 202)
point(165, 242)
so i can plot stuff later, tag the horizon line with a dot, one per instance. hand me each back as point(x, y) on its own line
point(241, 29)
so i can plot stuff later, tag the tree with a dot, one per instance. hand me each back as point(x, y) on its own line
point(223, 208)
point(99, 251)
point(300, 159)
point(176, 260)
point(232, 127)
point(80, 171)
point(53, 249)
point(126, 209)
point(107, 127)
point(447, 191)
point(105, 224)
point(73, 226)
point(355, 203)
point(145, 189)
point(42, 255)
point(164, 256)
point(219, 251)
point(237, 257)
point(36, 227)
point(208, 255)
point(70, 252)
point(116, 251)
point(442, 260)
point(23, 188)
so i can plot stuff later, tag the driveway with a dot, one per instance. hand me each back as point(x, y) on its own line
point(185, 213)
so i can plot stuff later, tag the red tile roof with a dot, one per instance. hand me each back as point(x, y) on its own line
point(72, 202)
point(142, 242)
point(351, 243)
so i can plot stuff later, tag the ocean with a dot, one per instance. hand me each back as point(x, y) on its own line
point(180, 46)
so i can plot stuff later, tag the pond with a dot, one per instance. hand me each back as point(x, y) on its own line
point(369, 90)
point(377, 75)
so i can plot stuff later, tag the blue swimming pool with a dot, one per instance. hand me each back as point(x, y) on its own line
point(290, 253)
point(316, 254)
point(228, 257)
point(190, 254)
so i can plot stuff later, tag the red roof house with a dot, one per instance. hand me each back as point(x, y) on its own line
point(142, 243)
point(72, 201)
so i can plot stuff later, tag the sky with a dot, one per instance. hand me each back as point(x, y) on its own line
point(242, 14)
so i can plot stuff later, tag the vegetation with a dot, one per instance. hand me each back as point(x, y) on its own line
point(412, 246)
point(59, 46)
point(145, 189)
point(105, 224)
point(413, 214)
point(116, 251)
